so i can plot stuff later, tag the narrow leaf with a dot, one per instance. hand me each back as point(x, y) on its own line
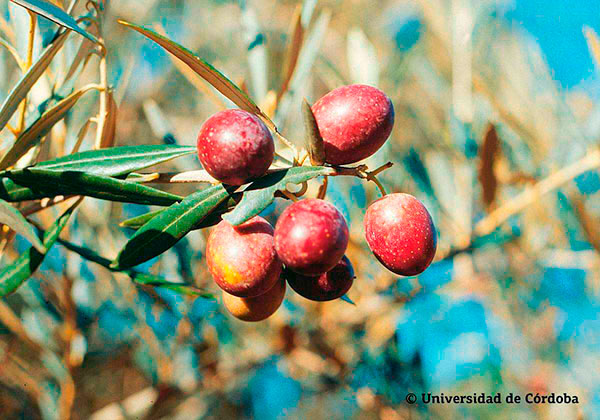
point(48, 183)
point(181, 288)
point(345, 298)
point(589, 224)
point(12, 50)
point(293, 51)
point(205, 70)
point(139, 221)
point(314, 141)
point(84, 52)
point(13, 218)
point(136, 276)
point(15, 274)
point(55, 14)
point(261, 192)
point(19, 92)
point(212, 219)
point(488, 154)
point(168, 227)
point(117, 161)
point(107, 135)
point(40, 128)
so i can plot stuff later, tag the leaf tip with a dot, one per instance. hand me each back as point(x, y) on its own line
point(345, 298)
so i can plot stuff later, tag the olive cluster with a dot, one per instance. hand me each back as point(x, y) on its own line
point(252, 262)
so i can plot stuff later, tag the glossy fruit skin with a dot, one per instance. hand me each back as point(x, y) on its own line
point(328, 286)
point(311, 236)
point(401, 233)
point(242, 259)
point(258, 308)
point(354, 121)
point(235, 146)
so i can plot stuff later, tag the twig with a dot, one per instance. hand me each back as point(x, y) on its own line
point(289, 195)
point(323, 188)
point(532, 194)
point(28, 62)
point(362, 171)
point(103, 109)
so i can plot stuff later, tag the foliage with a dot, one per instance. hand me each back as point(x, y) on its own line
point(503, 157)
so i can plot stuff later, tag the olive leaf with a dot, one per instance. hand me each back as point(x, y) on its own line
point(19, 92)
point(40, 128)
point(293, 51)
point(165, 229)
point(33, 183)
point(488, 153)
point(261, 192)
point(212, 219)
point(107, 134)
point(314, 141)
point(14, 275)
point(13, 218)
point(136, 276)
point(55, 14)
point(206, 71)
point(117, 161)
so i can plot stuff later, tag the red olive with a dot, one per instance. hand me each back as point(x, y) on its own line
point(235, 146)
point(354, 121)
point(311, 236)
point(401, 234)
point(328, 286)
point(242, 259)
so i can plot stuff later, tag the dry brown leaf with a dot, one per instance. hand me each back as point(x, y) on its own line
point(589, 224)
point(107, 137)
point(293, 52)
point(488, 153)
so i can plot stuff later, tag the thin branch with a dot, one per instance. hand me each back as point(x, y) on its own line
point(323, 188)
point(533, 193)
point(28, 63)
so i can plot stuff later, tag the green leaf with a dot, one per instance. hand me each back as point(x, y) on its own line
point(212, 219)
point(139, 221)
point(167, 228)
point(39, 129)
point(40, 182)
point(261, 192)
point(181, 288)
point(136, 276)
point(22, 88)
point(117, 161)
point(55, 14)
point(204, 70)
point(13, 218)
point(15, 274)
point(345, 298)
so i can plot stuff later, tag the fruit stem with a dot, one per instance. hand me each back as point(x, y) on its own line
point(371, 177)
point(323, 188)
point(381, 168)
point(290, 195)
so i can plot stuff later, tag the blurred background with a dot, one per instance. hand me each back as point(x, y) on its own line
point(497, 122)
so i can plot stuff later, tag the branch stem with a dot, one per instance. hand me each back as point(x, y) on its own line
point(28, 63)
point(533, 193)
